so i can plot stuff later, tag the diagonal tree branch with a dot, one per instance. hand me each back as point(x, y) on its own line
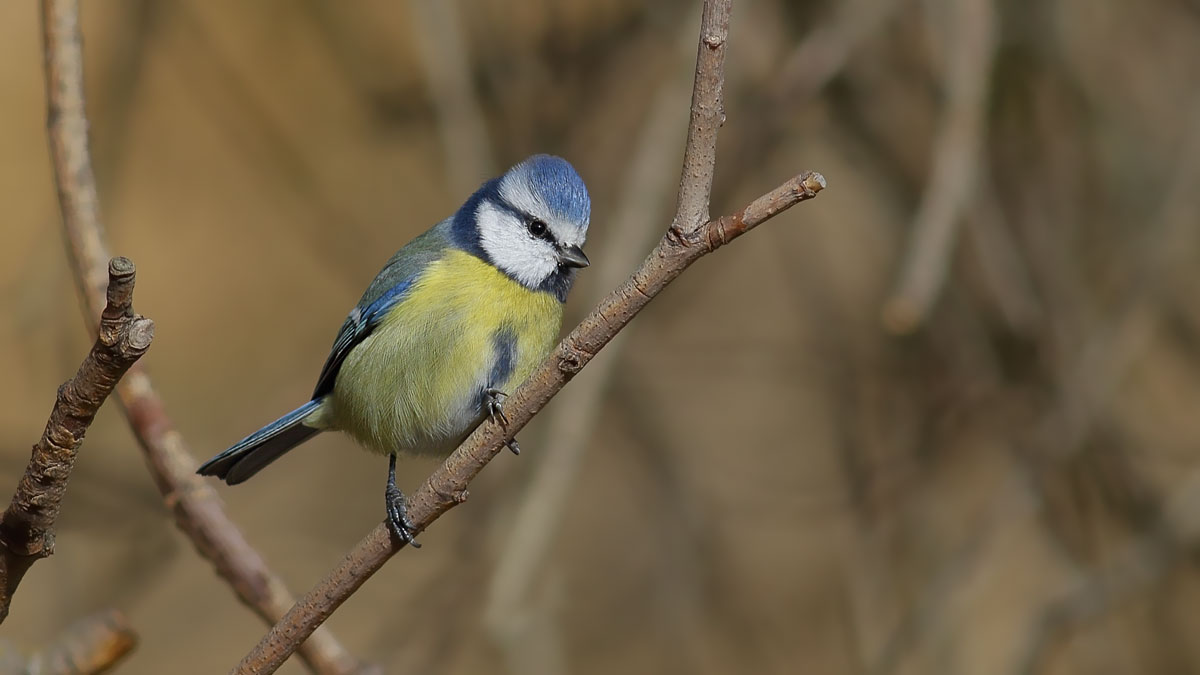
point(27, 526)
point(198, 511)
point(690, 236)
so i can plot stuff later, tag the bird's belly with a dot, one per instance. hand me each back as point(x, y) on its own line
point(407, 392)
point(415, 384)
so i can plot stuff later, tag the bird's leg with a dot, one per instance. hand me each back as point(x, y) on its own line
point(492, 401)
point(397, 509)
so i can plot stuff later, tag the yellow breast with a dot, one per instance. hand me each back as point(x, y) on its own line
point(414, 384)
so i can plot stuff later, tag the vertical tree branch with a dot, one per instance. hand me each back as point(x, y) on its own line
point(198, 512)
point(27, 526)
point(707, 116)
point(466, 147)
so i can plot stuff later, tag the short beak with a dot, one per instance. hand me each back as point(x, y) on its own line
point(572, 256)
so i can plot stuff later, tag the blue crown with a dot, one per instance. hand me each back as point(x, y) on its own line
point(560, 186)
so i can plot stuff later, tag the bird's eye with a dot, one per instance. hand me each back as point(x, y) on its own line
point(537, 228)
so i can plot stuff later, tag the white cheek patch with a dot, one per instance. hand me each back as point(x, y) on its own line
point(503, 237)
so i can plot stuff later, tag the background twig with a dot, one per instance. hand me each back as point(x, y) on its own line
point(443, 52)
point(824, 51)
point(971, 34)
point(90, 646)
point(198, 512)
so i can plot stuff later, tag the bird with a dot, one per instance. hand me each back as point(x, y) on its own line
point(459, 316)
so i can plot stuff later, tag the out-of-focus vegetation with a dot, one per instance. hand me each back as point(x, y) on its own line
point(1012, 486)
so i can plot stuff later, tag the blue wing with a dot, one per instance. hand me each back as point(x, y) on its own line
point(357, 327)
point(390, 287)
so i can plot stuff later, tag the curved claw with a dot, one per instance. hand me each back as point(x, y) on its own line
point(398, 521)
point(495, 408)
point(512, 445)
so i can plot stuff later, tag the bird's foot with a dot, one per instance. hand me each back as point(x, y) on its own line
point(397, 510)
point(493, 401)
point(397, 518)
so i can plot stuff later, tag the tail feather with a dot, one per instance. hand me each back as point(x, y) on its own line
point(249, 455)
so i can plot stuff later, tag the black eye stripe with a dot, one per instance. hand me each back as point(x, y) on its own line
point(543, 232)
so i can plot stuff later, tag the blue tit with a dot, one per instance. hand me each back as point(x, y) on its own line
point(459, 316)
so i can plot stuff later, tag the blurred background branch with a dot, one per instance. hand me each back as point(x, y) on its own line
point(824, 51)
point(92, 645)
point(445, 60)
point(198, 512)
point(969, 30)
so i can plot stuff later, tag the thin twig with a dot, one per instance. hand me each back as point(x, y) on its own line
point(824, 52)
point(466, 147)
point(568, 431)
point(1002, 268)
point(957, 151)
point(27, 526)
point(198, 512)
point(90, 646)
point(1139, 565)
point(707, 116)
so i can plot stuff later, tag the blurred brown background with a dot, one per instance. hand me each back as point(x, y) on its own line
point(776, 478)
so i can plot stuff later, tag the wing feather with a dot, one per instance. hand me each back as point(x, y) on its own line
point(391, 286)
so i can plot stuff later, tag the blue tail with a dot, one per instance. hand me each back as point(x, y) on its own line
point(249, 455)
